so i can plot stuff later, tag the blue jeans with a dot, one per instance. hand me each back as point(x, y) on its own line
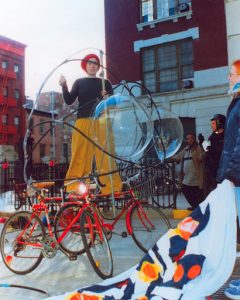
point(237, 194)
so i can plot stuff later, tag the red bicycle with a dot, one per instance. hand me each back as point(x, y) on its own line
point(144, 222)
point(25, 241)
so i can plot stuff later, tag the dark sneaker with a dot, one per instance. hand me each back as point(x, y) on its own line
point(234, 283)
point(232, 293)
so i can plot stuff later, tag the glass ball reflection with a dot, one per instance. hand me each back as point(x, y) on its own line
point(168, 133)
point(128, 126)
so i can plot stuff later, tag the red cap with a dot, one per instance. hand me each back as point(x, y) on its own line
point(87, 58)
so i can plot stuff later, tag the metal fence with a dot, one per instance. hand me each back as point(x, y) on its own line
point(156, 182)
point(11, 173)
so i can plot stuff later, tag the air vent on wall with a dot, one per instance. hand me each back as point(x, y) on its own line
point(184, 7)
point(187, 84)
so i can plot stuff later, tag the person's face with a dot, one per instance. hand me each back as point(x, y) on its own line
point(190, 140)
point(92, 66)
point(233, 77)
point(214, 125)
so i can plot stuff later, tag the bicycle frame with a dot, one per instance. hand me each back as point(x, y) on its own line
point(132, 202)
point(37, 210)
point(127, 209)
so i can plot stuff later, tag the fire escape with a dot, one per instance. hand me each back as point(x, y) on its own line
point(6, 103)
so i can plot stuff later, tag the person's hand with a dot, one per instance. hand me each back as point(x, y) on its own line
point(206, 145)
point(104, 94)
point(62, 81)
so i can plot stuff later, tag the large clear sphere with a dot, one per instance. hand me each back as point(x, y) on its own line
point(128, 127)
point(168, 133)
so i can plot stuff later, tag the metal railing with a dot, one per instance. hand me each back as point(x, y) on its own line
point(158, 183)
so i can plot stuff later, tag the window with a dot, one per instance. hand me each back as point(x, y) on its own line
point(42, 150)
point(31, 124)
point(16, 94)
point(68, 129)
point(16, 70)
point(4, 64)
point(5, 91)
point(5, 119)
point(147, 10)
point(161, 9)
point(42, 127)
point(17, 120)
point(65, 152)
point(166, 66)
point(52, 150)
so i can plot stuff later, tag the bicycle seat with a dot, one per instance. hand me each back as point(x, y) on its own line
point(43, 184)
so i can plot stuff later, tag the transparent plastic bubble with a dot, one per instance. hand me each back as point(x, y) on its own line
point(128, 127)
point(168, 133)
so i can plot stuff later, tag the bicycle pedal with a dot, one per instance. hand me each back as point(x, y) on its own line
point(72, 257)
point(124, 234)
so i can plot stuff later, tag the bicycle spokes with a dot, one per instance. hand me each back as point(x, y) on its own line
point(21, 242)
point(96, 245)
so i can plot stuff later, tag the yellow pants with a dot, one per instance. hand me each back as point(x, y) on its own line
point(83, 152)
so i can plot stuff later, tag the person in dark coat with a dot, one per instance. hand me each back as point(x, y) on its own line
point(229, 166)
point(213, 152)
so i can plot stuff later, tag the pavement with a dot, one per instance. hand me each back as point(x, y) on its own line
point(58, 275)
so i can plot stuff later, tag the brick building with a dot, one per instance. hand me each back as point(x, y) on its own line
point(42, 139)
point(12, 97)
point(54, 144)
point(177, 49)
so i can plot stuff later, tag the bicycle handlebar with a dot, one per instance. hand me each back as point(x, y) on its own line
point(94, 178)
point(131, 178)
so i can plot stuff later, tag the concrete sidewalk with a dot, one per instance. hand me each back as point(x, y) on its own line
point(59, 275)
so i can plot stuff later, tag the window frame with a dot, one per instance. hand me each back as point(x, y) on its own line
point(178, 13)
point(6, 63)
point(16, 68)
point(141, 10)
point(18, 122)
point(42, 150)
point(42, 127)
point(5, 91)
point(5, 119)
point(157, 69)
point(31, 125)
point(16, 94)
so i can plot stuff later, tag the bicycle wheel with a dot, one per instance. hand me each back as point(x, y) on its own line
point(96, 245)
point(148, 224)
point(19, 237)
point(72, 241)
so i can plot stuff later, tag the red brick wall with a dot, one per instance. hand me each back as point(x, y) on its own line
point(14, 53)
point(121, 17)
